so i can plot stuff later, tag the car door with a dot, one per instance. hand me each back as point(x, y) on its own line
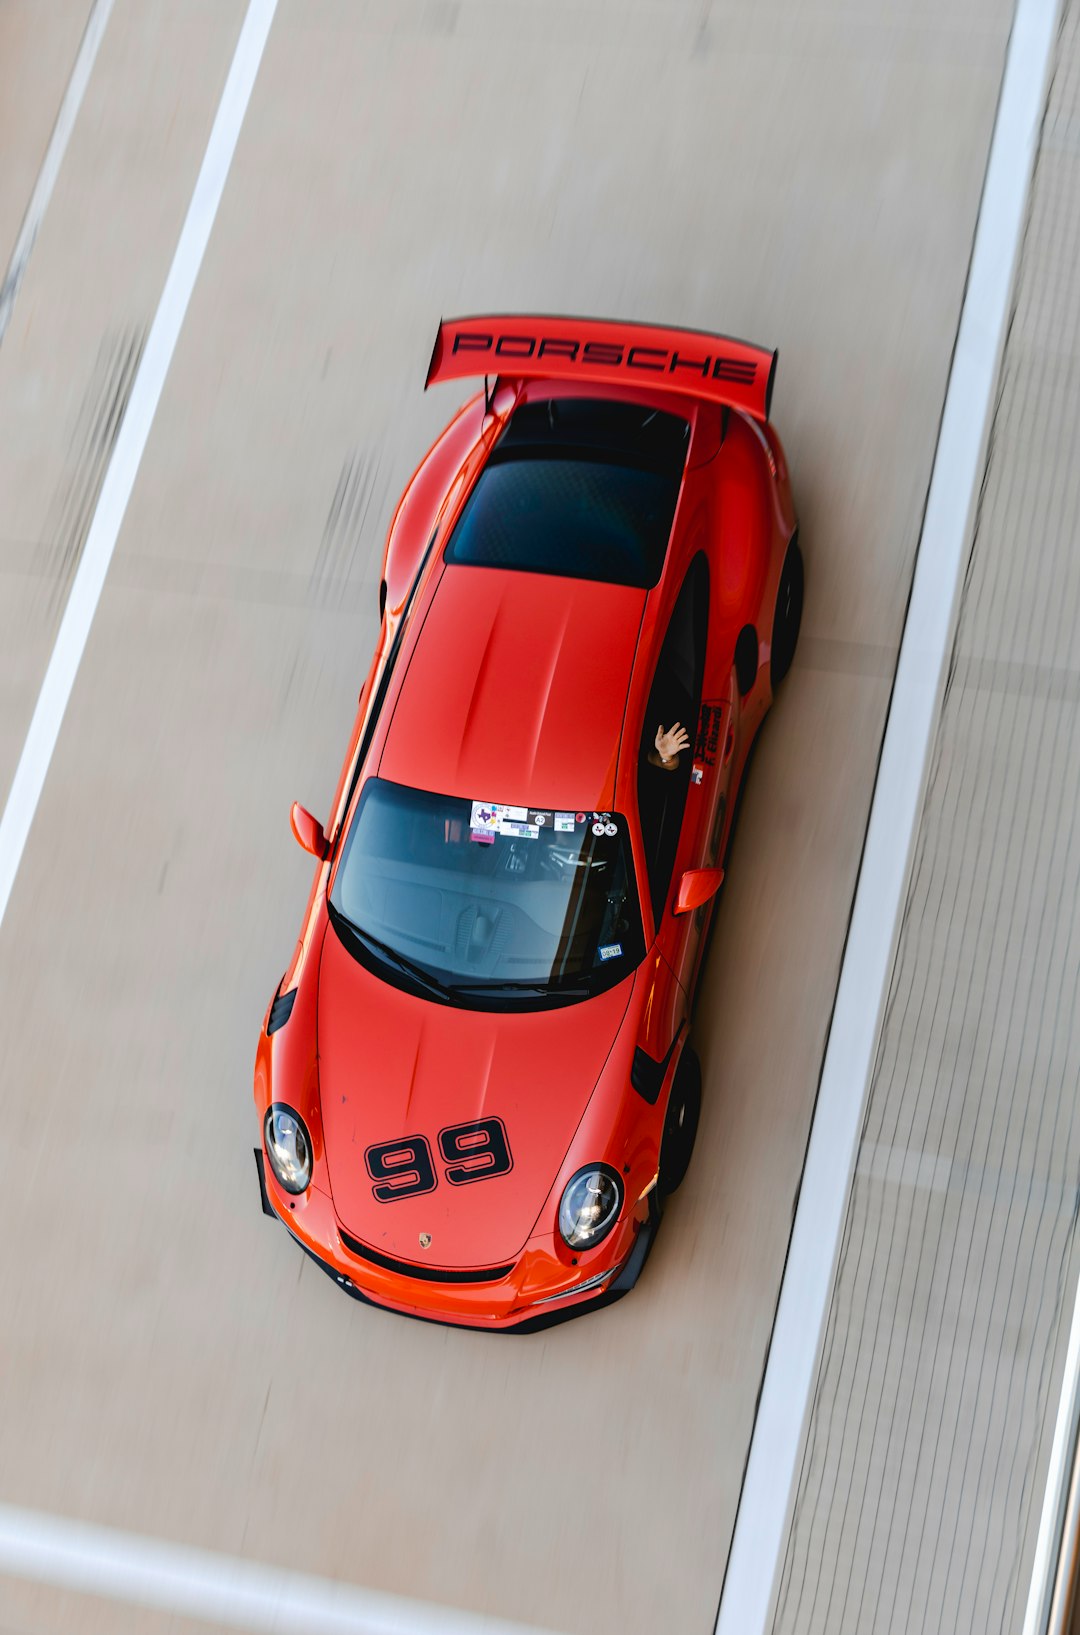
point(714, 757)
point(673, 806)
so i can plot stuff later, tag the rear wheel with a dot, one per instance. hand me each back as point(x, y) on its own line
point(681, 1123)
point(788, 617)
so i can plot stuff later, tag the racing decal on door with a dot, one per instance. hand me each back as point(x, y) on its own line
point(707, 744)
point(475, 1151)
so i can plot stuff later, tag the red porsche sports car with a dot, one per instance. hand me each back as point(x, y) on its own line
point(474, 1083)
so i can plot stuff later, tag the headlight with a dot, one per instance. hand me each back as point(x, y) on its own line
point(590, 1206)
point(288, 1147)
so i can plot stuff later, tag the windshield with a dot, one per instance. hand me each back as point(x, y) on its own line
point(477, 902)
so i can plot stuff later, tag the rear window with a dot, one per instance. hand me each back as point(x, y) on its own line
point(581, 488)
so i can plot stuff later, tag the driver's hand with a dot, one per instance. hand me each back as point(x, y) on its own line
point(670, 744)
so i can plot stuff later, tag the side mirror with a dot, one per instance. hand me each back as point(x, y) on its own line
point(697, 886)
point(309, 831)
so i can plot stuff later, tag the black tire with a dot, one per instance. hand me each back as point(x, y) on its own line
point(680, 1124)
point(788, 616)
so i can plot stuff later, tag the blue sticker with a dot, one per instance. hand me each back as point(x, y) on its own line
point(610, 950)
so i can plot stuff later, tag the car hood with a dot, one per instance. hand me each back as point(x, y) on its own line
point(393, 1066)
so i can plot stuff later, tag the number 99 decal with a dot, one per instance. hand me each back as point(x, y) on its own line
point(475, 1151)
point(403, 1168)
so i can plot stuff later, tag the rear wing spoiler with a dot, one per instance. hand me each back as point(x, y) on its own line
point(691, 362)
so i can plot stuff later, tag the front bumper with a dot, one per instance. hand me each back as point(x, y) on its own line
point(506, 1310)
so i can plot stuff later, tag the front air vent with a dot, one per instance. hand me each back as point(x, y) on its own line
point(429, 1274)
point(647, 1075)
point(280, 1011)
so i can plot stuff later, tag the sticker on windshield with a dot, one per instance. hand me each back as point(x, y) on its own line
point(611, 828)
point(598, 828)
point(491, 818)
point(610, 950)
point(484, 837)
point(518, 831)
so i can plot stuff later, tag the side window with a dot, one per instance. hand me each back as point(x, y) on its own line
point(675, 696)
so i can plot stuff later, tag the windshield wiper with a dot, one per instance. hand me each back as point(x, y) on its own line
point(509, 986)
point(423, 978)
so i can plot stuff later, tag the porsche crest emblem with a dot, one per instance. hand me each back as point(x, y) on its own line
point(425, 1240)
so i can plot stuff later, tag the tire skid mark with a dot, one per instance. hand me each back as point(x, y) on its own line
point(96, 429)
point(359, 488)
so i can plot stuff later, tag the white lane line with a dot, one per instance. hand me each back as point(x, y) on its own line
point(1049, 1545)
point(769, 1488)
point(54, 154)
point(219, 1589)
point(116, 490)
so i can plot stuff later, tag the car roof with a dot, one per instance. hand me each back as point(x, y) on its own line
point(515, 689)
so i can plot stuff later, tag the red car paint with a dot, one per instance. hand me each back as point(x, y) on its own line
point(527, 689)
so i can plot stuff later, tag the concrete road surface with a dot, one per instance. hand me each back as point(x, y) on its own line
point(807, 176)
